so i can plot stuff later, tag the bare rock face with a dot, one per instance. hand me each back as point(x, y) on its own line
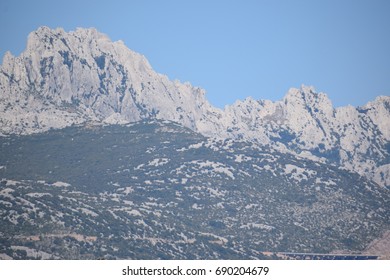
point(306, 123)
point(66, 78)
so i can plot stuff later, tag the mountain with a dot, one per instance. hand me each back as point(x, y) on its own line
point(102, 157)
point(158, 190)
point(306, 124)
point(81, 76)
point(65, 78)
point(69, 78)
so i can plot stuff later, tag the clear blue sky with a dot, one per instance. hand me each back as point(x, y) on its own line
point(234, 49)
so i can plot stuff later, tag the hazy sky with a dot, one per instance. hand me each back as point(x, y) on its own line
point(234, 49)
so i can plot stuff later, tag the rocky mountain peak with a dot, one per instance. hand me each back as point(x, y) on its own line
point(84, 75)
point(379, 112)
point(307, 98)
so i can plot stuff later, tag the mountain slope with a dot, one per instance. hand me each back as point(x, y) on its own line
point(81, 76)
point(158, 190)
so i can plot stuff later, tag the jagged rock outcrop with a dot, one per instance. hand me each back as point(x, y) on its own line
point(306, 123)
point(65, 78)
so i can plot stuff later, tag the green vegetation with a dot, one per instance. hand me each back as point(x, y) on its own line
point(156, 190)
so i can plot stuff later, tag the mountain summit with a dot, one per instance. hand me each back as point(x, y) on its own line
point(67, 78)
